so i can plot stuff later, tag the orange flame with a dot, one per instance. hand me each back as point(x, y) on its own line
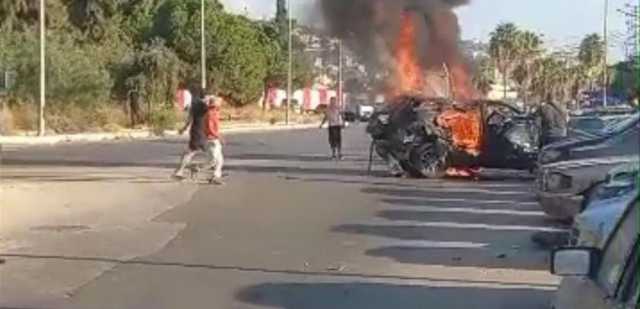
point(409, 75)
point(465, 128)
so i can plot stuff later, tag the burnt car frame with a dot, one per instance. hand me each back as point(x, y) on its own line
point(421, 136)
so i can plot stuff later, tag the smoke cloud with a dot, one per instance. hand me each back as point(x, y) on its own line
point(371, 28)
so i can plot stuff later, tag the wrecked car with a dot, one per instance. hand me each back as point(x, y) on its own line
point(425, 137)
point(561, 186)
point(602, 276)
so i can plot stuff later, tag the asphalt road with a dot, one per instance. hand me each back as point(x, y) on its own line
point(290, 229)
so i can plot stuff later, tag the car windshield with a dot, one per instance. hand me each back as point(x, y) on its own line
point(618, 250)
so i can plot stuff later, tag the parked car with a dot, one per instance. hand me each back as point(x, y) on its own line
point(365, 111)
point(604, 205)
point(602, 277)
point(594, 124)
point(622, 138)
point(561, 187)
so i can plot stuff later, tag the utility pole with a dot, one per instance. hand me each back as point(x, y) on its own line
point(203, 50)
point(290, 69)
point(340, 75)
point(606, 56)
point(43, 37)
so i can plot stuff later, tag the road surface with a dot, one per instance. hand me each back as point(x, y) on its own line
point(102, 226)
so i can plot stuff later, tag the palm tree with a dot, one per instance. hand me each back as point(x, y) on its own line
point(484, 77)
point(502, 48)
point(528, 48)
point(591, 56)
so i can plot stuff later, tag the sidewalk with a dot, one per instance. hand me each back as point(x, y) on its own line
point(141, 134)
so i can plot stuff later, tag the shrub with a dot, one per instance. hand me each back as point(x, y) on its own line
point(163, 118)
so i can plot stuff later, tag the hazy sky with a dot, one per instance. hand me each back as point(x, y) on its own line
point(563, 22)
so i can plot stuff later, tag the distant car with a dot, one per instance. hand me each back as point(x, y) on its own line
point(561, 186)
point(622, 138)
point(365, 112)
point(605, 276)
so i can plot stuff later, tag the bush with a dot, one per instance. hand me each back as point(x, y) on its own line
point(163, 118)
point(73, 75)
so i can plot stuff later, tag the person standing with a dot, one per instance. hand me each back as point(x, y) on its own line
point(184, 99)
point(554, 122)
point(204, 137)
point(333, 116)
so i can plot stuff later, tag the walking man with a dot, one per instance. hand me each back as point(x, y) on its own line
point(333, 116)
point(204, 136)
point(183, 97)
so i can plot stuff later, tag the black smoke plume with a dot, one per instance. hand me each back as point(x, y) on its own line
point(370, 28)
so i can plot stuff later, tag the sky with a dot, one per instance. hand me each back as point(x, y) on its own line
point(562, 22)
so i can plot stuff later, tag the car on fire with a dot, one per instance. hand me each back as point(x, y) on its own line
point(561, 187)
point(602, 276)
point(425, 137)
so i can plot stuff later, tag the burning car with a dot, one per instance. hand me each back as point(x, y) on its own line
point(426, 137)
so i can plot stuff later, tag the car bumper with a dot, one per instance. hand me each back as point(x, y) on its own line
point(560, 205)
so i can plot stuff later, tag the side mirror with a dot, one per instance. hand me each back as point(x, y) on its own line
point(575, 261)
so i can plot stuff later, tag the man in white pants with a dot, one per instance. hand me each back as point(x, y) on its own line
point(204, 123)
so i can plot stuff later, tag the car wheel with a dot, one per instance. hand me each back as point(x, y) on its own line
point(429, 161)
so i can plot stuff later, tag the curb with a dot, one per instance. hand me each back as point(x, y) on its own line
point(137, 135)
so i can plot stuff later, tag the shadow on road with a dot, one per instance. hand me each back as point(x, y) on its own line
point(524, 204)
point(386, 296)
point(471, 193)
point(468, 217)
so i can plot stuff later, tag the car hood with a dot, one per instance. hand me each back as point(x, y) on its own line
point(605, 162)
point(597, 222)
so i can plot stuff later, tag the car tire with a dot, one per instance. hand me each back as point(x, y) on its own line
point(428, 161)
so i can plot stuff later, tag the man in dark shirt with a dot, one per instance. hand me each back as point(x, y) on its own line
point(553, 122)
point(200, 140)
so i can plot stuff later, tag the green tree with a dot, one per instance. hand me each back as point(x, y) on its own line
point(528, 48)
point(503, 50)
point(591, 57)
point(484, 75)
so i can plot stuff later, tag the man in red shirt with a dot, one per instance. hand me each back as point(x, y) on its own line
point(203, 125)
point(212, 130)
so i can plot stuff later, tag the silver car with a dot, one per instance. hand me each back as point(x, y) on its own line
point(605, 204)
point(603, 277)
point(560, 187)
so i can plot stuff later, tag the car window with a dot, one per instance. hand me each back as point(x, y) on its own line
point(618, 251)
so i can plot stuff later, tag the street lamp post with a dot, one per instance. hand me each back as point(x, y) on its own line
point(290, 68)
point(203, 51)
point(606, 56)
point(340, 75)
point(41, 122)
